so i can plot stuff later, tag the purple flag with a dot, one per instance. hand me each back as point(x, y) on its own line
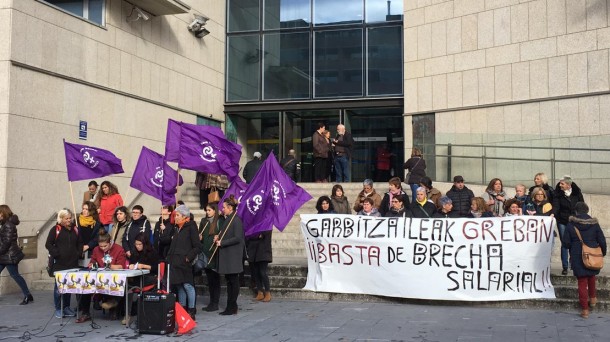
point(203, 149)
point(85, 162)
point(154, 177)
point(237, 189)
point(270, 200)
point(173, 136)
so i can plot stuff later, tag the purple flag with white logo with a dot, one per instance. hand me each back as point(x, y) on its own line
point(173, 136)
point(237, 189)
point(270, 200)
point(203, 149)
point(86, 162)
point(154, 177)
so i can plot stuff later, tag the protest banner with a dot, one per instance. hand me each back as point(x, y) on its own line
point(492, 259)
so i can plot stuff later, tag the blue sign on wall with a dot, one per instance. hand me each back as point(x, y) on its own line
point(82, 130)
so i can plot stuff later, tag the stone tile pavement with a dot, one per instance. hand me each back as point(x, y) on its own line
point(284, 320)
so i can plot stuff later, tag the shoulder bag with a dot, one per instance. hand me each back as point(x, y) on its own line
point(592, 258)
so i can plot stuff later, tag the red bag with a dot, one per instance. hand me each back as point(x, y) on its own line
point(184, 322)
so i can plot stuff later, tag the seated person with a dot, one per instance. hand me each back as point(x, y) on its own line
point(446, 210)
point(325, 205)
point(368, 208)
point(512, 207)
point(109, 255)
point(145, 258)
point(398, 208)
point(422, 207)
point(479, 208)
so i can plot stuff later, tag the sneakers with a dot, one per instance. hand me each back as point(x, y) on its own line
point(68, 312)
point(564, 272)
point(58, 314)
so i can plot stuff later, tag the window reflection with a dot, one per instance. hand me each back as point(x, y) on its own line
point(243, 15)
point(384, 53)
point(338, 12)
point(243, 65)
point(383, 10)
point(287, 13)
point(338, 63)
point(286, 72)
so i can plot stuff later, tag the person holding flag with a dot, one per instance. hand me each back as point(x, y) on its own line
point(230, 248)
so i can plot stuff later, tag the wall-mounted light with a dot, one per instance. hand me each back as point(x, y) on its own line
point(137, 14)
point(197, 26)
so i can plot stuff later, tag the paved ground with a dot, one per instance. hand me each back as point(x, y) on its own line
point(282, 320)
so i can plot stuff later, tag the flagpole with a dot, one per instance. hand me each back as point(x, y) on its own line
point(177, 184)
point(72, 196)
point(223, 235)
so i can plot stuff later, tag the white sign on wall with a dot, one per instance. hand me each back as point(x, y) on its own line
point(485, 259)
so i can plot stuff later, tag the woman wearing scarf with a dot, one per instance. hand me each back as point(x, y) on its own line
point(88, 227)
point(398, 208)
point(339, 201)
point(495, 197)
point(367, 192)
point(121, 224)
point(395, 189)
point(208, 228)
point(183, 250)
point(422, 207)
point(478, 208)
point(230, 252)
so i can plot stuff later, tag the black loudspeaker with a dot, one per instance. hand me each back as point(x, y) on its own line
point(156, 313)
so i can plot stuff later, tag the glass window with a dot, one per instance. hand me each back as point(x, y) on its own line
point(243, 15)
point(383, 10)
point(243, 65)
point(384, 60)
point(287, 13)
point(92, 10)
point(286, 70)
point(338, 63)
point(334, 12)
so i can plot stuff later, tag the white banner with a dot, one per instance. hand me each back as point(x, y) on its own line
point(485, 259)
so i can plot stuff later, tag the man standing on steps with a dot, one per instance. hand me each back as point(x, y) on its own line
point(343, 152)
point(291, 165)
point(320, 154)
point(252, 167)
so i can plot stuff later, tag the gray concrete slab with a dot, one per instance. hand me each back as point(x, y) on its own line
point(284, 320)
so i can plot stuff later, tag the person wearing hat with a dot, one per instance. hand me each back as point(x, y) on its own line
point(592, 236)
point(252, 167)
point(460, 196)
point(182, 251)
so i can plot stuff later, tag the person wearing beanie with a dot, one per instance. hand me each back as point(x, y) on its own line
point(252, 167)
point(184, 248)
point(593, 236)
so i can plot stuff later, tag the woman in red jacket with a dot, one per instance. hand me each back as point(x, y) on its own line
point(107, 200)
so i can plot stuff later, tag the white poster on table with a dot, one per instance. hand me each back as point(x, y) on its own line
point(484, 259)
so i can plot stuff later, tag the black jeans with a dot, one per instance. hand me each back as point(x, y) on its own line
point(259, 271)
point(213, 286)
point(232, 291)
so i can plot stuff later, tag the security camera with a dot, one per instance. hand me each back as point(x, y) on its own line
point(142, 14)
point(197, 26)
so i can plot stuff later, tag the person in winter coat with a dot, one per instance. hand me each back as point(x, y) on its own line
point(121, 220)
point(541, 181)
point(321, 148)
point(592, 236)
point(394, 189)
point(398, 208)
point(422, 207)
point(291, 166)
point(461, 196)
point(479, 208)
point(164, 230)
point(446, 210)
point(416, 166)
point(495, 197)
point(566, 195)
point(259, 257)
point(231, 245)
point(106, 201)
point(252, 167)
point(367, 192)
point(339, 201)
point(325, 205)
point(208, 229)
point(88, 226)
point(539, 204)
point(183, 250)
point(139, 224)
point(65, 247)
point(368, 209)
point(433, 194)
point(10, 252)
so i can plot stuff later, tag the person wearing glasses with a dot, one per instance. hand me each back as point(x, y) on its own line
point(139, 224)
point(398, 209)
point(460, 196)
point(540, 203)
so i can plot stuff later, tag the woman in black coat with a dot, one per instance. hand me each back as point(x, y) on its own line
point(592, 236)
point(398, 208)
point(416, 166)
point(183, 250)
point(163, 232)
point(230, 244)
point(88, 227)
point(422, 207)
point(259, 257)
point(10, 252)
point(65, 247)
